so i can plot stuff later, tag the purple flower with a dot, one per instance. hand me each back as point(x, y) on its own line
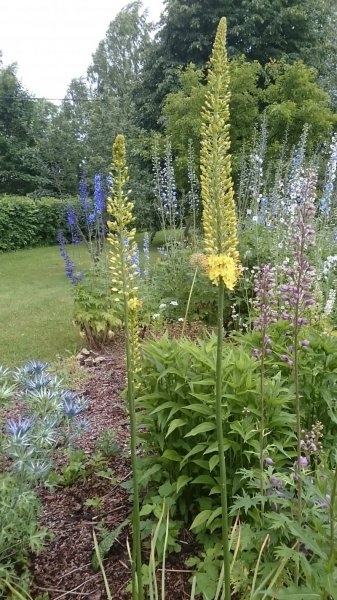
point(268, 460)
point(305, 343)
point(99, 195)
point(303, 462)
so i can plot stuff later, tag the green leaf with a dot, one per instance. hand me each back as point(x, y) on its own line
point(182, 481)
point(200, 408)
point(205, 479)
point(213, 461)
point(174, 425)
point(202, 428)
point(171, 454)
point(201, 518)
point(295, 593)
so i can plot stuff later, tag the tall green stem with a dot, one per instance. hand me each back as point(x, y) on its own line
point(332, 515)
point(263, 353)
point(137, 584)
point(219, 427)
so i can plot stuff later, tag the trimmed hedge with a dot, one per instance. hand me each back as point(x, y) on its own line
point(25, 222)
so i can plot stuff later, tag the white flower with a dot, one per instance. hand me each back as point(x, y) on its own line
point(181, 319)
point(328, 309)
point(249, 211)
point(174, 303)
point(156, 315)
point(161, 306)
point(255, 219)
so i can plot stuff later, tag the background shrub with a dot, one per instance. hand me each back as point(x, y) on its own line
point(25, 222)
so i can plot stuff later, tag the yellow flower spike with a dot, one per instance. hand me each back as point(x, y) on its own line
point(219, 216)
point(121, 238)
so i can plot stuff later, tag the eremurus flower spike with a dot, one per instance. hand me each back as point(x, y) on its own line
point(220, 225)
point(123, 268)
point(219, 215)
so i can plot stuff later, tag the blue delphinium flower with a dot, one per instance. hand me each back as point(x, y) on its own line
point(73, 225)
point(99, 195)
point(68, 263)
point(83, 190)
point(330, 177)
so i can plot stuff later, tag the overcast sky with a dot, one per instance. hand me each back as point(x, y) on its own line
point(53, 40)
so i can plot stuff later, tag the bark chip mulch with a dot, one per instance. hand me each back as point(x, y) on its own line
point(64, 569)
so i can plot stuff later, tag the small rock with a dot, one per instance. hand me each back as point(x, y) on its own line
point(98, 360)
point(88, 362)
point(85, 352)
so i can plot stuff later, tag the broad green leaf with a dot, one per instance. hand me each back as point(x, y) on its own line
point(200, 408)
point(182, 481)
point(205, 479)
point(168, 404)
point(213, 461)
point(171, 454)
point(295, 593)
point(174, 425)
point(202, 428)
point(201, 518)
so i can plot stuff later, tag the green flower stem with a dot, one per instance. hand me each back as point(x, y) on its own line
point(332, 516)
point(137, 584)
point(262, 419)
point(222, 459)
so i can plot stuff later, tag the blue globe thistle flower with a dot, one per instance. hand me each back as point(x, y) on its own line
point(34, 367)
point(73, 407)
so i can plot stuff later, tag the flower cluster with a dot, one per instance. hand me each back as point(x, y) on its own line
point(70, 267)
point(311, 442)
point(330, 303)
point(219, 215)
point(325, 203)
point(300, 274)
point(265, 302)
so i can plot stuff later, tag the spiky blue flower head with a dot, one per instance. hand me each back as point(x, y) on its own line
point(38, 382)
point(73, 407)
point(99, 195)
point(73, 225)
point(20, 427)
point(35, 367)
point(83, 190)
point(82, 425)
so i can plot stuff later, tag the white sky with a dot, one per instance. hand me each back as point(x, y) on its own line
point(53, 40)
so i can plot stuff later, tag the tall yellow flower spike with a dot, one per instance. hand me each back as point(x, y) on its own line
point(124, 271)
point(219, 216)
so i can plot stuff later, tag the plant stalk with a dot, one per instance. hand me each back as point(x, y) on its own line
point(137, 585)
point(222, 459)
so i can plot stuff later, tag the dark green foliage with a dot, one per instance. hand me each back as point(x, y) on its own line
point(107, 444)
point(25, 222)
point(107, 539)
point(177, 397)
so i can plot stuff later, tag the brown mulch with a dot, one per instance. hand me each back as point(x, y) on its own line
point(64, 568)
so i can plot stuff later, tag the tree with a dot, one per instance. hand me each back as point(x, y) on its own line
point(260, 29)
point(19, 172)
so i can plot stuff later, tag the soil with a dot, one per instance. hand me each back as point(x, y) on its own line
point(64, 569)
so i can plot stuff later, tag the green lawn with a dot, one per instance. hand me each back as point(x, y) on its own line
point(36, 303)
point(36, 306)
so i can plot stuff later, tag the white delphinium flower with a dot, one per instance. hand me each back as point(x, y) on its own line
point(330, 303)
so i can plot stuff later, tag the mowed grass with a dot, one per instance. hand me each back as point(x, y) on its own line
point(36, 309)
point(36, 306)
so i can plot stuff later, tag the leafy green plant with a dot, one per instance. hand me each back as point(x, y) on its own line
point(106, 444)
point(95, 309)
point(20, 533)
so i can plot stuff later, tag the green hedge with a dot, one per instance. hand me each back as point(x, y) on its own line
point(25, 222)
